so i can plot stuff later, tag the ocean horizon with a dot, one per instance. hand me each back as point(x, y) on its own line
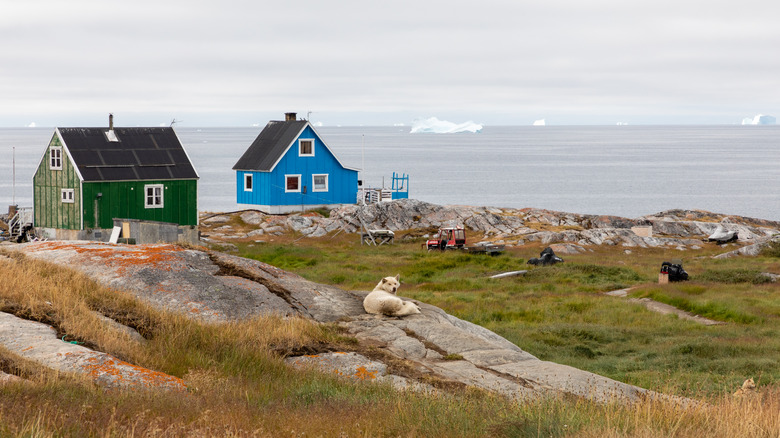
point(629, 170)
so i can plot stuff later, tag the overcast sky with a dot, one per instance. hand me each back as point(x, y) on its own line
point(495, 62)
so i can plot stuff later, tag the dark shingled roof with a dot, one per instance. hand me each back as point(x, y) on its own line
point(269, 145)
point(140, 154)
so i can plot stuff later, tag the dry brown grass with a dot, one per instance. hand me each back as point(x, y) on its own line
point(71, 302)
point(755, 416)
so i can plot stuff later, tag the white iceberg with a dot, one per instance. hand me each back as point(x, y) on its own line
point(436, 126)
point(760, 119)
point(539, 122)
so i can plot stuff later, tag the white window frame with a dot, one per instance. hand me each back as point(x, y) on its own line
point(300, 141)
point(286, 177)
point(314, 186)
point(153, 204)
point(55, 158)
point(67, 195)
point(248, 178)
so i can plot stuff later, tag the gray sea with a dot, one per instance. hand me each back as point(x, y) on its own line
point(626, 171)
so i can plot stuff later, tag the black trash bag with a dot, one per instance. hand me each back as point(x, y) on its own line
point(546, 257)
point(675, 271)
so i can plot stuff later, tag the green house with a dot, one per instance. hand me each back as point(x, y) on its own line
point(87, 177)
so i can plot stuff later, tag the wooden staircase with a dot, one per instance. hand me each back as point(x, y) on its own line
point(20, 223)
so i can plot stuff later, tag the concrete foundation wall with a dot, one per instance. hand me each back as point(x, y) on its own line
point(97, 235)
point(284, 209)
point(157, 232)
point(142, 231)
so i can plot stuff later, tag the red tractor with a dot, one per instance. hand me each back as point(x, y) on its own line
point(448, 238)
point(455, 238)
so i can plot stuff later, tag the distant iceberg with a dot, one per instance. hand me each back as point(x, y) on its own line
point(436, 126)
point(539, 122)
point(759, 120)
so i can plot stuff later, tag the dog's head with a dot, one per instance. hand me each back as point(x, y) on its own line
point(390, 284)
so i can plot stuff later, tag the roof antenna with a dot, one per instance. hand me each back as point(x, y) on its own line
point(308, 115)
point(173, 122)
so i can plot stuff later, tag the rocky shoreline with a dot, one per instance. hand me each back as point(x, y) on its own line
point(680, 229)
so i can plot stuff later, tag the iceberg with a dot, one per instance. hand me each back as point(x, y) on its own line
point(760, 119)
point(436, 126)
point(539, 122)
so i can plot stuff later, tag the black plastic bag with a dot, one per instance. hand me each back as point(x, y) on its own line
point(675, 271)
point(546, 257)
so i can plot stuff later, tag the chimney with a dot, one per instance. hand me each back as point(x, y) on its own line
point(110, 134)
point(290, 117)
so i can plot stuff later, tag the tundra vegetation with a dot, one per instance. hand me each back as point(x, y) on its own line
point(239, 385)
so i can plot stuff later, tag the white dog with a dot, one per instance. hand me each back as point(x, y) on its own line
point(382, 300)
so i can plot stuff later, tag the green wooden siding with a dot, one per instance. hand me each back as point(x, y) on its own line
point(126, 199)
point(50, 211)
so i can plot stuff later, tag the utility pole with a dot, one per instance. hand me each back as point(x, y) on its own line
point(14, 177)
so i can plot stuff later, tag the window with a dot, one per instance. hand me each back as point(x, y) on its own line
point(55, 158)
point(292, 183)
point(247, 182)
point(67, 195)
point(319, 183)
point(154, 196)
point(306, 147)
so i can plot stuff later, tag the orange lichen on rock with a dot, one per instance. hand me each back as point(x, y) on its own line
point(363, 374)
point(115, 372)
point(122, 256)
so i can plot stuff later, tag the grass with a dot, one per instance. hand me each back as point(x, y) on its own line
point(560, 313)
point(238, 384)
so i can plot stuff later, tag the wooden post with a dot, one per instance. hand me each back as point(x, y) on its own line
point(663, 278)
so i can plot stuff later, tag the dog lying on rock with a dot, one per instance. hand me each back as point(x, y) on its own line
point(382, 300)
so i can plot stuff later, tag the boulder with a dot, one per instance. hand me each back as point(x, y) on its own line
point(253, 217)
point(39, 343)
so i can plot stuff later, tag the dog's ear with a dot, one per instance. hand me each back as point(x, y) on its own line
point(398, 277)
point(384, 280)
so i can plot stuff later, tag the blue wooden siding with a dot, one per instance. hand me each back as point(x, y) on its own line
point(268, 188)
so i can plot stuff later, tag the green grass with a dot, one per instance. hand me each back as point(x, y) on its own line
point(559, 313)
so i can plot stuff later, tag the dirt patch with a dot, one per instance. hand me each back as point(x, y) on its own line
point(143, 324)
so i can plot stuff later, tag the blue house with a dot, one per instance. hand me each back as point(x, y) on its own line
point(288, 167)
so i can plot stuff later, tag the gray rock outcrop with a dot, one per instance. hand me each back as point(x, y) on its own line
point(39, 343)
point(681, 229)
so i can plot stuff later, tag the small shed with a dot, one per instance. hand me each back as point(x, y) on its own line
point(89, 176)
point(289, 167)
